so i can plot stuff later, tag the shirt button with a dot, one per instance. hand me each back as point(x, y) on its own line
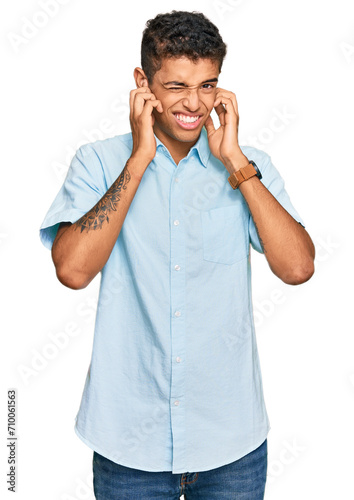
point(176, 179)
point(177, 267)
point(176, 403)
point(176, 222)
point(178, 359)
point(178, 313)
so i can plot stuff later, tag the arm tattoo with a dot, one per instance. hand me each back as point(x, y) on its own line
point(95, 218)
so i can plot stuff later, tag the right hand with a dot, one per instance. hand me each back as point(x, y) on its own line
point(142, 103)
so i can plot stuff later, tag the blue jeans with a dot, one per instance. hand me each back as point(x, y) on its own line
point(243, 479)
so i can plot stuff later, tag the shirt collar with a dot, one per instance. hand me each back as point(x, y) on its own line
point(201, 147)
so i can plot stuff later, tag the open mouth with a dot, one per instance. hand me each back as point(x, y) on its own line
point(187, 121)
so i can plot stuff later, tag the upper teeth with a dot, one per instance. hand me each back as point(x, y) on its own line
point(187, 119)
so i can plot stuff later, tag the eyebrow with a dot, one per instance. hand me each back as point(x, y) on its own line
point(184, 85)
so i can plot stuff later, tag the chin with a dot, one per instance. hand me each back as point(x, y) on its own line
point(187, 135)
point(190, 137)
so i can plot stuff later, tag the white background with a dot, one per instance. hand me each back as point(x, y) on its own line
point(65, 80)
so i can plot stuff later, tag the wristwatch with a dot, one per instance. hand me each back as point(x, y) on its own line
point(243, 174)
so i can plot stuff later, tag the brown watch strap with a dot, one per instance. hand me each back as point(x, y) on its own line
point(241, 175)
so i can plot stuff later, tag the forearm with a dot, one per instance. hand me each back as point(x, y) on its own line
point(81, 250)
point(286, 244)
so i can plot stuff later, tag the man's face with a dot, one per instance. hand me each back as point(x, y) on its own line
point(187, 92)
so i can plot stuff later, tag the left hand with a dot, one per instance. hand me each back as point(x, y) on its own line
point(223, 142)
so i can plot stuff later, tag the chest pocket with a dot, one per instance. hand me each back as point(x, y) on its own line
point(225, 234)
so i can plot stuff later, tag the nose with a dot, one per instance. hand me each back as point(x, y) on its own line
point(191, 100)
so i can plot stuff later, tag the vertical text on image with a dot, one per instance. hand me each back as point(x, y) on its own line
point(30, 28)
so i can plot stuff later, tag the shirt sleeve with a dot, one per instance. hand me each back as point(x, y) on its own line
point(275, 184)
point(83, 187)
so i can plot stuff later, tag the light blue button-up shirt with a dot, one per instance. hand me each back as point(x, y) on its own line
point(174, 383)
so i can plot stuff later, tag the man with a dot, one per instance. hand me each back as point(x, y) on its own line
point(173, 400)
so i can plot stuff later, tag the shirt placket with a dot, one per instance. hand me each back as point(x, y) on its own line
point(178, 320)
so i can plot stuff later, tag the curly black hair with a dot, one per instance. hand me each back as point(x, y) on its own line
point(177, 34)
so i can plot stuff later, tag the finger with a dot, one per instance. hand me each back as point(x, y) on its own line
point(227, 105)
point(228, 95)
point(156, 103)
point(149, 106)
point(222, 99)
point(221, 113)
point(209, 125)
point(140, 102)
point(134, 93)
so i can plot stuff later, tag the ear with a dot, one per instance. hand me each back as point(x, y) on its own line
point(140, 78)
